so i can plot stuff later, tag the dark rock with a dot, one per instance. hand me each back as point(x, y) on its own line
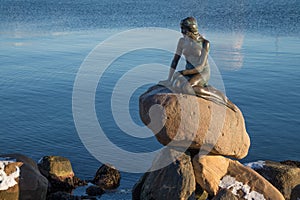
point(284, 176)
point(67, 185)
point(107, 177)
point(225, 194)
point(94, 190)
point(175, 181)
point(137, 188)
point(62, 196)
point(200, 194)
point(78, 182)
point(88, 198)
point(295, 195)
point(32, 184)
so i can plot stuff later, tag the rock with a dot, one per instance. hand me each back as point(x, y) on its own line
point(62, 196)
point(200, 194)
point(29, 173)
point(284, 176)
point(215, 172)
point(89, 198)
point(78, 182)
point(209, 170)
point(94, 190)
point(137, 188)
point(295, 195)
point(291, 163)
point(225, 194)
point(9, 178)
point(59, 172)
point(176, 181)
point(107, 177)
point(56, 166)
point(188, 121)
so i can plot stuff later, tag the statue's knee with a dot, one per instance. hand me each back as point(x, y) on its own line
point(196, 81)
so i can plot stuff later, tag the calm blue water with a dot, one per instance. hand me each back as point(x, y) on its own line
point(255, 45)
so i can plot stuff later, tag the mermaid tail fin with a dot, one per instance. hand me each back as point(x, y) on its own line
point(212, 94)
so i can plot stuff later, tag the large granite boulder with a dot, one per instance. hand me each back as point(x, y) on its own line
point(285, 176)
point(176, 181)
point(216, 172)
point(188, 121)
point(32, 184)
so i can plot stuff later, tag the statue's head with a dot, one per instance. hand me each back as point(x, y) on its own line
point(189, 24)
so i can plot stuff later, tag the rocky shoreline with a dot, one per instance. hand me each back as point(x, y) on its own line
point(52, 178)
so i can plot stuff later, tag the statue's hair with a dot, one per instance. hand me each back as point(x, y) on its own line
point(189, 27)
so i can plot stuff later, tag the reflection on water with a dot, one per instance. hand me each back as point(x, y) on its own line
point(227, 50)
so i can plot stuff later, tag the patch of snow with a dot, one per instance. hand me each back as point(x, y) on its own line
point(125, 191)
point(7, 181)
point(256, 165)
point(229, 182)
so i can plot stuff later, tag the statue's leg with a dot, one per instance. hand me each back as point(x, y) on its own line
point(198, 80)
point(212, 93)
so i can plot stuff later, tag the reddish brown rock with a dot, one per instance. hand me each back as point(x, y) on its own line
point(216, 172)
point(183, 120)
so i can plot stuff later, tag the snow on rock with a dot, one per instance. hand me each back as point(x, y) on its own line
point(256, 165)
point(229, 182)
point(7, 181)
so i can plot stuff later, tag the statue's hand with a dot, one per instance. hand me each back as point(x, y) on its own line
point(165, 83)
point(177, 74)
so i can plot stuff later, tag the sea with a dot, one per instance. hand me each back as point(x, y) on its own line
point(71, 73)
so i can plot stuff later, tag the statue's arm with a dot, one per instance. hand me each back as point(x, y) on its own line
point(173, 66)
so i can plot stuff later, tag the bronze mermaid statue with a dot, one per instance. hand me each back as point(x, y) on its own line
point(194, 79)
